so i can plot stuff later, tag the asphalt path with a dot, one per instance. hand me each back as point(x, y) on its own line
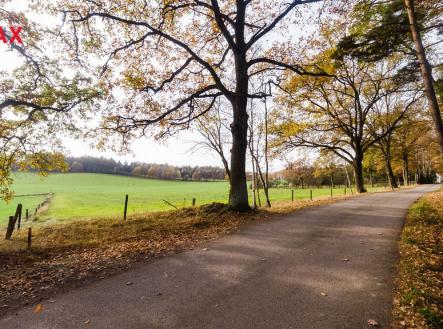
point(328, 266)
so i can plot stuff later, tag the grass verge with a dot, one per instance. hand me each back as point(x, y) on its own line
point(418, 301)
point(64, 256)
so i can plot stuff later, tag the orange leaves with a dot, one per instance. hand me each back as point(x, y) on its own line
point(38, 308)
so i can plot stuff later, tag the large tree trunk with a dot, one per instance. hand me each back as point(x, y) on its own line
point(426, 72)
point(358, 173)
point(239, 190)
point(239, 131)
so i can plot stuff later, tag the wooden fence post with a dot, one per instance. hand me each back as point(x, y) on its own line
point(311, 195)
point(193, 202)
point(345, 190)
point(126, 207)
point(27, 215)
point(18, 215)
point(29, 237)
point(292, 196)
point(10, 229)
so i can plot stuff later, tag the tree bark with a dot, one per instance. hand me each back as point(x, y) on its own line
point(239, 131)
point(358, 173)
point(426, 72)
point(239, 191)
point(390, 172)
point(405, 160)
point(386, 150)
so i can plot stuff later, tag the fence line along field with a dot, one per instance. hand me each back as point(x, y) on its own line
point(83, 195)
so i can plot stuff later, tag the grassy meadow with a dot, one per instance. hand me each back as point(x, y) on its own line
point(83, 195)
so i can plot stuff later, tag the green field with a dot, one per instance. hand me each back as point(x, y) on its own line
point(80, 195)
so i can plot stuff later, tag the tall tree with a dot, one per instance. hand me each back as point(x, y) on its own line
point(426, 71)
point(336, 114)
point(382, 28)
point(37, 101)
point(389, 114)
point(212, 49)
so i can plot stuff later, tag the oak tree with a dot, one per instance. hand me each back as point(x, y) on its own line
point(172, 59)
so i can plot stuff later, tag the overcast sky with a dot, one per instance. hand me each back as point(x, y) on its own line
point(174, 151)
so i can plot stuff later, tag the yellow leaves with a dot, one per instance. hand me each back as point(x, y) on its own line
point(134, 79)
point(418, 279)
point(38, 309)
point(289, 129)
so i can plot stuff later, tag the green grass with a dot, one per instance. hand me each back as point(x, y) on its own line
point(80, 195)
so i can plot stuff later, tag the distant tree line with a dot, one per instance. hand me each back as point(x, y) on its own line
point(151, 170)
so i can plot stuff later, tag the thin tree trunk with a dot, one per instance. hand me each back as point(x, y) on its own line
point(426, 72)
point(347, 176)
point(405, 160)
point(266, 183)
point(258, 190)
point(386, 150)
point(254, 186)
point(251, 151)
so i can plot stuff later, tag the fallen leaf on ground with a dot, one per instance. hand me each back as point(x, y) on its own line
point(38, 308)
point(205, 249)
point(87, 321)
point(373, 323)
point(323, 294)
point(346, 259)
point(129, 283)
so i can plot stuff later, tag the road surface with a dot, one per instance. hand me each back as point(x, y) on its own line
point(322, 267)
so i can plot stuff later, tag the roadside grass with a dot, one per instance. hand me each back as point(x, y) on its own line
point(64, 255)
point(418, 301)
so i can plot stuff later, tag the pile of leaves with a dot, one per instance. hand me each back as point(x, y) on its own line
point(418, 301)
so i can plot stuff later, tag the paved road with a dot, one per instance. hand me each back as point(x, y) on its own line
point(323, 267)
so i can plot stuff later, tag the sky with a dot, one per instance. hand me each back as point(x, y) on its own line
point(174, 151)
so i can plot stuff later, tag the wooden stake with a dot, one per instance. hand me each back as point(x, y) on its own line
point(292, 195)
point(18, 215)
point(10, 228)
point(311, 195)
point(126, 207)
point(193, 202)
point(29, 237)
